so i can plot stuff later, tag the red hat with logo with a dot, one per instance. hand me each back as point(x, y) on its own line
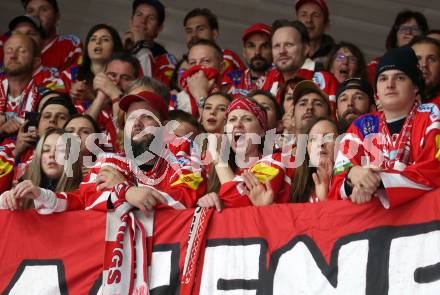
point(321, 3)
point(257, 28)
point(156, 101)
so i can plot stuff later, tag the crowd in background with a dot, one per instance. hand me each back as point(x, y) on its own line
point(68, 108)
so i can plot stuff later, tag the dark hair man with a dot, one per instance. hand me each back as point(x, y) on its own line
point(354, 97)
point(201, 23)
point(257, 52)
point(147, 21)
point(290, 46)
point(59, 51)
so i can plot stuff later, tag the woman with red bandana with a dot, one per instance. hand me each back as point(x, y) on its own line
point(246, 124)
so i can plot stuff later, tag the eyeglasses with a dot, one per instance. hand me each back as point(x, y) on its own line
point(350, 58)
point(413, 30)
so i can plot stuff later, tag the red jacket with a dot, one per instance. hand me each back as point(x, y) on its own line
point(402, 182)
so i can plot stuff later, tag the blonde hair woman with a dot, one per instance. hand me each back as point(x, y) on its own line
point(46, 171)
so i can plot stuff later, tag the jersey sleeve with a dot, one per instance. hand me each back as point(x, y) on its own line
point(86, 197)
point(349, 154)
point(423, 174)
point(187, 179)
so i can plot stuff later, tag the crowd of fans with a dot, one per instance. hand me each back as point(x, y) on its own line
point(298, 118)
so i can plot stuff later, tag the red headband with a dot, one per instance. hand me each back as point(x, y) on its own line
point(250, 106)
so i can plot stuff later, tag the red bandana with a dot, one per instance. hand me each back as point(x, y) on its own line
point(250, 106)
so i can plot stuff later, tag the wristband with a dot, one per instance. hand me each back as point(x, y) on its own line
point(201, 102)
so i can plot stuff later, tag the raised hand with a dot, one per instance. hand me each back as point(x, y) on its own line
point(259, 194)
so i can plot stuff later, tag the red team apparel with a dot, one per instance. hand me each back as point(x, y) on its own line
point(410, 160)
point(62, 52)
point(241, 82)
point(173, 176)
point(326, 82)
point(231, 61)
point(272, 168)
point(42, 79)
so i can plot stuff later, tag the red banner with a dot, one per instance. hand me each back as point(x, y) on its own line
point(325, 248)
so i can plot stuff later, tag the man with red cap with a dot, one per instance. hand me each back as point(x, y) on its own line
point(314, 15)
point(257, 53)
point(290, 45)
point(152, 174)
point(59, 51)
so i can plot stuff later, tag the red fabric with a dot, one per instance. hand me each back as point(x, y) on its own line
point(323, 228)
point(372, 70)
point(231, 61)
point(270, 168)
point(164, 66)
point(247, 105)
point(401, 184)
point(241, 83)
point(156, 101)
point(210, 73)
point(62, 52)
point(74, 240)
point(257, 28)
point(183, 183)
point(325, 80)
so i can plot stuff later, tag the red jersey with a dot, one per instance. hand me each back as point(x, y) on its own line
point(241, 82)
point(164, 66)
point(325, 80)
point(231, 61)
point(42, 79)
point(62, 52)
point(272, 168)
point(173, 176)
point(410, 162)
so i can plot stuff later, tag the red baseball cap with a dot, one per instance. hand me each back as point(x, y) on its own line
point(156, 101)
point(321, 3)
point(257, 28)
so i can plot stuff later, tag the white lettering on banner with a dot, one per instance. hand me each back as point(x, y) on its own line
point(232, 263)
point(298, 273)
point(44, 279)
point(406, 255)
point(160, 264)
